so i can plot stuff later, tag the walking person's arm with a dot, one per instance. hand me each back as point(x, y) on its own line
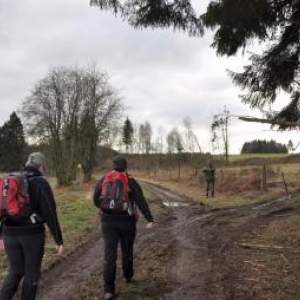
point(97, 193)
point(1, 238)
point(42, 192)
point(136, 193)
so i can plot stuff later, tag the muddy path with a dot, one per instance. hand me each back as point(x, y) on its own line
point(193, 252)
point(65, 278)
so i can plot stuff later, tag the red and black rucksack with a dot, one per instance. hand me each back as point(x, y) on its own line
point(114, 194)
point(14, 196)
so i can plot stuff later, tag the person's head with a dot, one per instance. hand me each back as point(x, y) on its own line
point(37, 160)
point(119, 164)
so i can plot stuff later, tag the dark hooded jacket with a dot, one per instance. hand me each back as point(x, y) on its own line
point(136, 196)
point(42, 203)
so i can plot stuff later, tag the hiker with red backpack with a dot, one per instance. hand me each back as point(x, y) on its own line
point(26, 203)
point(118, 195)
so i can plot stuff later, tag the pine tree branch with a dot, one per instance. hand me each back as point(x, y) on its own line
point(270, 121)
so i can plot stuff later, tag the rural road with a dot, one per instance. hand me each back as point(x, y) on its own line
point(192, 253)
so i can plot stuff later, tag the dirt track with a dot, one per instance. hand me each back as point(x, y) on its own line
point(192, 253)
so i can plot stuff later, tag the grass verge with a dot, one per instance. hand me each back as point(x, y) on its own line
point(275, 257)
point(77, 216)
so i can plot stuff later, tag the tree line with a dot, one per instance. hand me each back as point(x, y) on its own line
point(263, 146)
point(141, 138)
point(69, 113)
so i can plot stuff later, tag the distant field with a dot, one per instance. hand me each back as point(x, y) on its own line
point(236, 157)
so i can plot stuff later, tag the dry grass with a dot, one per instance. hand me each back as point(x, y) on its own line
point(239, 157)
point(276, 259)
point(233, 186)
point(272, 264)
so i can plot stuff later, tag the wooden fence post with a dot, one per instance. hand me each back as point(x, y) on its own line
point(264, 178)
point(285, 185)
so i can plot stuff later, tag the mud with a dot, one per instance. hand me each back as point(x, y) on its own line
point(193, 252)
point(64, 280)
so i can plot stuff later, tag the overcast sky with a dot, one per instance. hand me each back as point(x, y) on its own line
point(163, 76)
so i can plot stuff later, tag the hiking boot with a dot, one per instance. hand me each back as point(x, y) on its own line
point(109, 296)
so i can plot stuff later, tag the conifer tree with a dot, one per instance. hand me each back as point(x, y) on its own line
point(127, 134)
point(263, 146)
point(12, 144)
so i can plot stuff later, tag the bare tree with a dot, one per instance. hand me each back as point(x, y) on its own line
point(161, 134)
point(191, 139)
point(189, 136)
point(145, 137)
point(71, 109)
point(111, 136)
point(220, 123)
point(174, 140)
point(101, 107)
point(175, 145)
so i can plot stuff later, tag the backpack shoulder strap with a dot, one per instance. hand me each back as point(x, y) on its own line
point(110, 176)
point(4, 191)
point(23, 181)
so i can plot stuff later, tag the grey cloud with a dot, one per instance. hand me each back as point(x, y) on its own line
point(163, 76)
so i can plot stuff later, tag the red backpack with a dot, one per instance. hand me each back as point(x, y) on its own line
point(14, 197)
point(115, 193)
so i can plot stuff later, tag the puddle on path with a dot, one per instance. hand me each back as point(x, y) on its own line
point(175, 204)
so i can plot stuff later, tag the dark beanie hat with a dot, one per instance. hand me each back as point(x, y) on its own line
point(119, 164)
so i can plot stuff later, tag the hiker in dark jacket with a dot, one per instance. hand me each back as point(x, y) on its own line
point(209, 174)
point(120, 227)
point(24, 239)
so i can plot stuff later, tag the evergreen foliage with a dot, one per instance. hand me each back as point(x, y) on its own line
point(12, 144)
point(178, 14)
point(236, 23)
point(263, 146)
point(127, 133)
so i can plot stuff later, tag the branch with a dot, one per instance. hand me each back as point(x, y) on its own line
point(267, 247)
point(270, 121)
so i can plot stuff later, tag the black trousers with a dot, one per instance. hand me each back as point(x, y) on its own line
point(113, 232)
point(210, 187)
point(25, 255)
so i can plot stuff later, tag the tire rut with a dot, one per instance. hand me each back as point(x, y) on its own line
point(200, 250)
point(64, 280)
point(205, 248)
point(189, 261)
